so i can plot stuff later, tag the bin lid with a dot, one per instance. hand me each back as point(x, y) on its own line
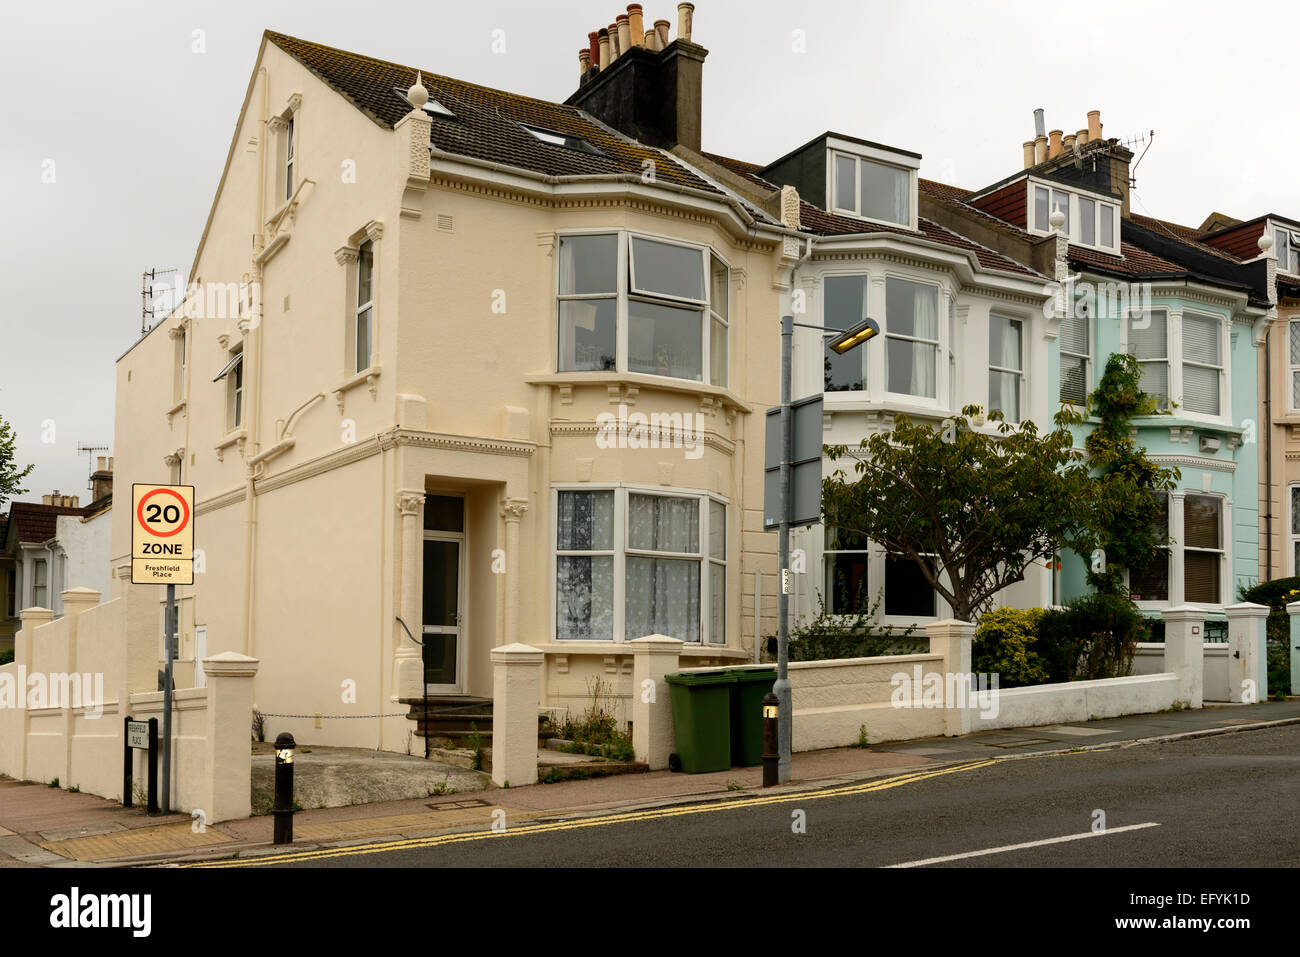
point(701, 678)
point(744, 675)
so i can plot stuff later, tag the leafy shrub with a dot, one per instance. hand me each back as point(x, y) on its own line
point(1093, 636)
point(857, 635)
point(6, 656)
point(1005, 645)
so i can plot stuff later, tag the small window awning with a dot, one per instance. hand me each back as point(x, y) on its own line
point(229, 367)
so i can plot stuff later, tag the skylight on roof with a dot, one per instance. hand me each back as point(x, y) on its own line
point(432, 107)
point(565, 140)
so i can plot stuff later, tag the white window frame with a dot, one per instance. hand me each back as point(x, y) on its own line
point(1293, 537)
point(621, 552)
point(1018, 373)
point(1292, 368)
point(290, 153)
point(626, 292)
point(879, 158)
point(1287, 249)
point(885, 335)
point(237, 394)
point(1074, 215)
point(1221, 551)
point(367, 307)
point(1087, 363)
point(877, 559)
point(1172, 366)
point(40, 582)
point(1221, 369)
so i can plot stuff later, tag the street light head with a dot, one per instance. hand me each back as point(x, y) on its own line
point(855, 336)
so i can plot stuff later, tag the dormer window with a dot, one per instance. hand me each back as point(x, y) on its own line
point(871, 189)
point(1287, 245)
point(1089, 220)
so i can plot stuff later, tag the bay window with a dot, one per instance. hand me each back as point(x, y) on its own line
point(1202, 544)
point(844, 306)
point(1006, 366)
point(1152, 582)
point(846, 559)
point(40, 583)
point(1202, 363)
point(1148, 339)
point(1295, 530)
point(1293, 362)
point(1075, 337)
point(631, 563)
point(659, 308)
point(911, 337)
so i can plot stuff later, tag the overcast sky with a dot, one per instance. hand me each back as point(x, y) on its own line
point(138, 125)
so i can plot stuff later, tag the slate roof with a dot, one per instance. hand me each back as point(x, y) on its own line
point(817, 220)
point(487, 121)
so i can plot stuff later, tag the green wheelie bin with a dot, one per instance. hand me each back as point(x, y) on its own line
point(747, 714)
point(701, 704)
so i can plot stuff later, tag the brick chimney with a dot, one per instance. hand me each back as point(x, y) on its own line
point(654, 96)
point(101, 480)
point(1101, 164)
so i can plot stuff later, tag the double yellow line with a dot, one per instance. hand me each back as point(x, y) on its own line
point(651, 814)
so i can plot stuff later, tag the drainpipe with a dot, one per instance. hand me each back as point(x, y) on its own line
point(252, 370)
point(1268, 453)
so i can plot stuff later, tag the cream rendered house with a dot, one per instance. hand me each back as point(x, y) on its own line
point(461, 368)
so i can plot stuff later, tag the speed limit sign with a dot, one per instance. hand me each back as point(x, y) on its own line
point(162, 534)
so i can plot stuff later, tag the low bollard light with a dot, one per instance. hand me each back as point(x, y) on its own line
point(771, 754)
point(283, 810)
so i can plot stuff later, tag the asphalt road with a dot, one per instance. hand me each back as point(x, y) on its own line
point(1229, 800)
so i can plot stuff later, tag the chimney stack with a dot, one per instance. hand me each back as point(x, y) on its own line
point(1040, 149)
point(1040, 125)
point(636, 26)
point(685, 15)
point(101, 481)
point(1053, 144)
point(1094, 125)
point(1081, 137)
point(584, 62)
point(1029, 153)
point(624, 33)
point(593, 44)
point(647, 88)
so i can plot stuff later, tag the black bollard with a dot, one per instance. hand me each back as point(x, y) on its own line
point(771, 755)
point(283, 809)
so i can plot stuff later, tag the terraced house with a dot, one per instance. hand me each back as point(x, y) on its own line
point(460, 368)
point(1196, 320)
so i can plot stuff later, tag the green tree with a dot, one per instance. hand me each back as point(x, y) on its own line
point(973, 509)
point(1124, 529)
point(11, 476)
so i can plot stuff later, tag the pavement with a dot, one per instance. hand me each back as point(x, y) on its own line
point(50, 827)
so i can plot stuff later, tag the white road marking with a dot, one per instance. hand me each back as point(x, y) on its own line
point(1017, 847)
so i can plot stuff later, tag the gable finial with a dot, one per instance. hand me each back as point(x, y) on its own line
point(418, 95)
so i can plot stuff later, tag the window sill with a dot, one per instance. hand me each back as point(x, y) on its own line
point(237, 437)
point(368, 377)
point(632, 382)
point(175, 410)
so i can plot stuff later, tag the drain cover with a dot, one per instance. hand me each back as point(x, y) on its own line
point(458, 805)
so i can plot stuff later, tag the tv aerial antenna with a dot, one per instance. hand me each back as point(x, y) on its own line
point(147, 305)
point(89, 451)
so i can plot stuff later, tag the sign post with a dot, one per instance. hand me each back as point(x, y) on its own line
point(162, 553)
